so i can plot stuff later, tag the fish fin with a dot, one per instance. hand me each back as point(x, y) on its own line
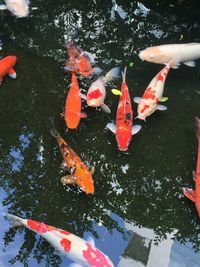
point(194, 175)
point(111, 75)
point(12, 74)
point(63, 166)
point(83, 115)
point(105, 108)
point(58, 252)
point(83, 96)
point(68, 179)
point(91, 170)
point(189, 193)
point(3, 7)
point(112, 127)
point(190, 63)
point(161, 107)
point(137, 99)
point(90, 240)
point(62, 114)
point(53, 130)
point(136, 129)
point(15, 221)
point(124, 75)
point(163, 99)
point(96, 70)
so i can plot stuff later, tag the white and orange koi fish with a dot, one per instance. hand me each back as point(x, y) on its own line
point(20, 8)
point(97, 91)
point(83, 253)
point(162, 54)
point(148, 103)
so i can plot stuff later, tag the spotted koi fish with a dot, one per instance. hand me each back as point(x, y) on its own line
point(97, 92)
point(6, 67)
point(194, 195)
point(79, 173)
point(73, 112)
point(148, 103)
point(124, 128)
point(78, 61)
point(84, 253)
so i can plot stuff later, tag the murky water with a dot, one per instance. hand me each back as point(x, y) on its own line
point(141, 187)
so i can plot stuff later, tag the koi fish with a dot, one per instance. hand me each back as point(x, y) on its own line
point(124, 128)
point(97, 91)
point(73, 112)
point(79, 61)
point(19, 8)
point(82, 252)
point(79, 173)
point(148, 103)
point(185, 53)
point(6, 67)
point(194, 195)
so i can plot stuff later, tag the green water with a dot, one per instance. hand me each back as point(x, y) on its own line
point(142, 186)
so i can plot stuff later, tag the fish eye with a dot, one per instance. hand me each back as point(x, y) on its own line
point(151, 56)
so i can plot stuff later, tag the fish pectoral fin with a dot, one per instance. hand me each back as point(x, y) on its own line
point(58, 252)
point(90, 240)
point(12, 74)
point(63, 166)
point(137, 99)
point(194, 175)
point(111, 127)
point(68, 179)
point(83, 96)
point(83, 115)
point(105, 108)
point(190, 63)
point(163, 99)
point(136, 129)
point(161, 107)
point(3, 7)
point(189, 193)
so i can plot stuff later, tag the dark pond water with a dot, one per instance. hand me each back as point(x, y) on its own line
point(141, 187)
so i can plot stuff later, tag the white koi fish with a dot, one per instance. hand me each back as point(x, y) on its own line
point(83, 253)
point(185, 53)
point(148, 103)
point(97, 91)
point(20, 8)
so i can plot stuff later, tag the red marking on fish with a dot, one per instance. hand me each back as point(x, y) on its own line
point(95, 258)
point(95, 94)
point(149, 93)
point(66, 244)
point(145, 107)
point(39, 227)
point(162, 75)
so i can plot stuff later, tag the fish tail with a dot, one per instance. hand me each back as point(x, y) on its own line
point(53, 130)
point(197, 128)
point(111, 75)
point(14, 220)
point(124, 75)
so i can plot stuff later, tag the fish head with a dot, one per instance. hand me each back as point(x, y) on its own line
point(152, 54)
point(19, 8)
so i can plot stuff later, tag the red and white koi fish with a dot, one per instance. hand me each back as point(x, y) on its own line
point(6, 67)
point(194, 195)
point(84, 253)
point(162, 54)
point(20, 8)
point(97, 91)
point(148, 103)
point(124, 128)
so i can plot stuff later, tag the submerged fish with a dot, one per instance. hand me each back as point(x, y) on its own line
point(181, 53)
point(194, 195)
point(97, 91)
point(79, 173)
point(73, 112)
point(6, 67)
point(149, 102)
point(82, 252)
point(124, 128)
point(19, 8)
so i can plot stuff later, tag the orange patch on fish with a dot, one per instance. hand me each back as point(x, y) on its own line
point(149, 93)
point(145, 107)
point(66, 244)
point(95, 94)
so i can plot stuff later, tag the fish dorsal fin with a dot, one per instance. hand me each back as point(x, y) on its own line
point(137, 99)
point(189, 193)
point(90, 240)
point(190, 63)
point(112, 127)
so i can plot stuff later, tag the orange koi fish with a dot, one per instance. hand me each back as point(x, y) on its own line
point(81, 252)
point(194, 195)
point(6, 67)
point(79, 173)
point(124, 128)
point(73, 112)
point(79, 61)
